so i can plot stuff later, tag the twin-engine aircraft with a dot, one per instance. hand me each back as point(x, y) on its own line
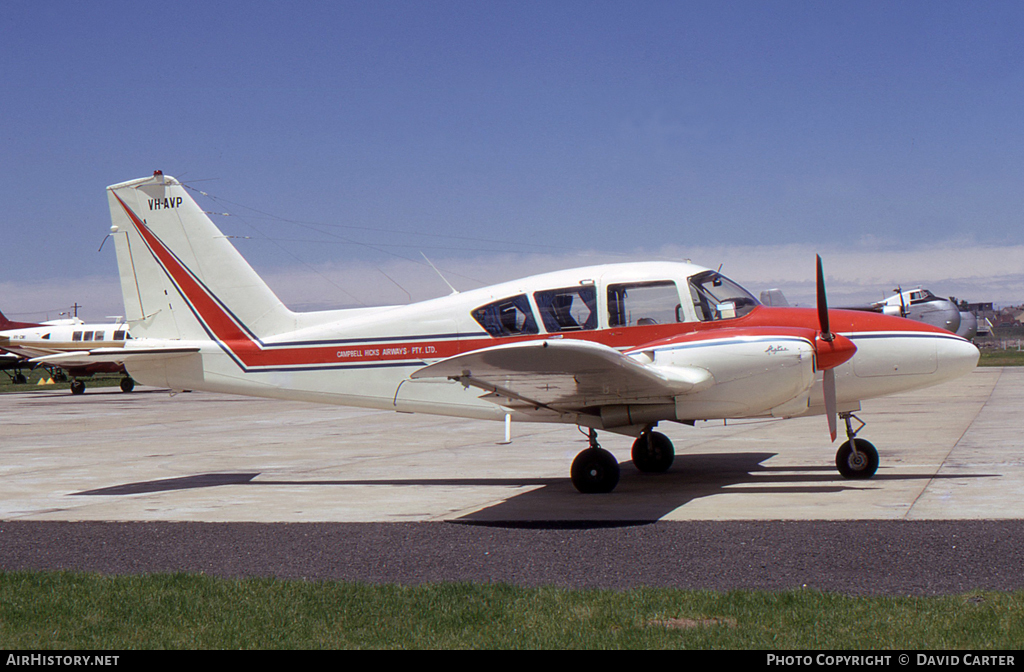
point(917, 304)
point(618, 348)
point(921, 305)
point(65, 344)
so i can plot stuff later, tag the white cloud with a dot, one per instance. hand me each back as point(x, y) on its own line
point(867, 273)
point(975, 273)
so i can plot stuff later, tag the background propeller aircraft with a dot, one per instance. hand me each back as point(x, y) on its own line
point(921, 305)
point(914, 304)
point(619, 347)
point(65, 344)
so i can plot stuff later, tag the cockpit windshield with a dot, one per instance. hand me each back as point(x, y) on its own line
point(716, 297)
point(921, 296)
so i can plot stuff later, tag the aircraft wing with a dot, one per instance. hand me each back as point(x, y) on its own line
point(562, 375)
point(111, 355)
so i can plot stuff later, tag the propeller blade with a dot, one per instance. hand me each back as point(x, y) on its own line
point(826, 333)
point(828, 376)
point(828, 381)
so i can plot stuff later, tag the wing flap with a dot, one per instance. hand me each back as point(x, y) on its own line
point(566, 375)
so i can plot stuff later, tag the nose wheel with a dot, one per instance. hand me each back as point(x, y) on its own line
point(857, 458)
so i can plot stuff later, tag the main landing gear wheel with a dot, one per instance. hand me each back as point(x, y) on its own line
point(857, 464)
point(77, 387)
point(127, 384)
point(595, 470)
point(653, 453)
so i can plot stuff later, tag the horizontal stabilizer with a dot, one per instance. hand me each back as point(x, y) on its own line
point(566, 374)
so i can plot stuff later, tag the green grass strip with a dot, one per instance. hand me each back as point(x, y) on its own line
point(1001, 358)
point(57, 610)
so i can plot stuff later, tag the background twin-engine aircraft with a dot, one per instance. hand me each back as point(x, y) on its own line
point(619, 347)
point(61, 345)
point(920, 304)
point(917, 304)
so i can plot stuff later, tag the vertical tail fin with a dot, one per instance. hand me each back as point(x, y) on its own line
point(6, 324)
point(180, 276)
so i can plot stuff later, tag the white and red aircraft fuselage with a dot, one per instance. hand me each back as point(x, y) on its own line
point(618, 347)
point(57, 343)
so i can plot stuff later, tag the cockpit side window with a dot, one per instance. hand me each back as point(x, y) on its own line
point(643, 303)
point(716, 297)
point(508, 317)
point(569, 309)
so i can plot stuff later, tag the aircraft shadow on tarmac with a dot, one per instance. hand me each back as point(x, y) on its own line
point(552, 502)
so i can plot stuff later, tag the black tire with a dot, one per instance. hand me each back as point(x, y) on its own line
point(857, 466)
point(77, 387)
point(20, 379)
point(595, 470)
point(653, 453)
point(127, 384)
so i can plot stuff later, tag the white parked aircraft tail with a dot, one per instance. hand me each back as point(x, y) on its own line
point(167, 250)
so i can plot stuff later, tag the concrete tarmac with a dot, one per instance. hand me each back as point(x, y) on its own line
point(952, 452)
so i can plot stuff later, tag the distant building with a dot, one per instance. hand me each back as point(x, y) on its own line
point(982, 309)
point(1009, 317)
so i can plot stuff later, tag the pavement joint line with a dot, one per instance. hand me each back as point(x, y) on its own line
point(952, 448)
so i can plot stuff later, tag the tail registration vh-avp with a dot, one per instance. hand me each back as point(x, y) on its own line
point(618, 347)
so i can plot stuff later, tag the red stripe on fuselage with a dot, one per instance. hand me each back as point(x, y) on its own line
point(761, 321)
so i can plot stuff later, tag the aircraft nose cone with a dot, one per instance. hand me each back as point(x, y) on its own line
point(956, 357)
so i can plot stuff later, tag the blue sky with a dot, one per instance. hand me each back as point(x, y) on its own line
point(540, 130)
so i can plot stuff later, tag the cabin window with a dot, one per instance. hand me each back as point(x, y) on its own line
point(99, 335)
point(716, 297)
point(569, 309)
point(76, 336)
point(643, 303)
point(119, 335)
point(507, 317)
point(87, 336)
